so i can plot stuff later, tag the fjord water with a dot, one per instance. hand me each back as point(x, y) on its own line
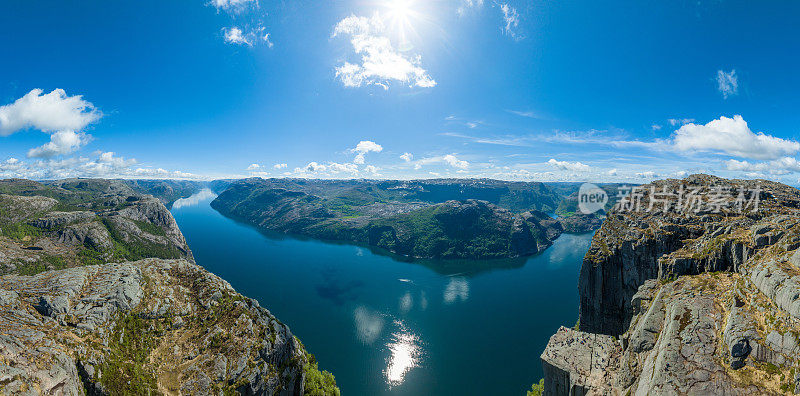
point(383, 325)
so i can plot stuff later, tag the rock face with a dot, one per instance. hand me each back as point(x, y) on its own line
point(82, 221)
point(144, 320)
point(452, 229)
point(580, 223)
point(154, 325)
point(699, 301)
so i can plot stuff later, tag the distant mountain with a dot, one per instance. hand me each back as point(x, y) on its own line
point(514, 196)
point(168, 191)
point(424, 218)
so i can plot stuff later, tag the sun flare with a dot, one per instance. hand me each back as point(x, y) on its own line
point(404, 17)
point(400, 9)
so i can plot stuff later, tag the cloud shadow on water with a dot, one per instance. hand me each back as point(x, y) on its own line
point(337, 290)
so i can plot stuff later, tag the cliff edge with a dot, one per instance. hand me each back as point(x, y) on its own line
point(690, 287)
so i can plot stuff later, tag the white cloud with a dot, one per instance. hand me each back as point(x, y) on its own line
point(612, 172)
point(50, 112)
point(511, 19)
point(316, 169)
point(727, 83)
point(313, 167)
point(647, 175)
point(655, 127)
point(732, 136)
point(159, 173)
point(279, 166)
point(455, 162)
point(234, 35)
point(680, 121)
point(449, 159)
point(527, 114)
point(380, 63)
point(570, 166)
point(466, 5)
point(362, 148)
point(105, 165)
point(232, 5)
point(253, 167)
point(780, 166)
point(267, 40)
point(334, 167)
point(374, 170)
point(407, 157)
point(61, 143)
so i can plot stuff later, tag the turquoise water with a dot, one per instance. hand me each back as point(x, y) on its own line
point(387, 326)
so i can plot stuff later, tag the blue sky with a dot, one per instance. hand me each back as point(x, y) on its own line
point(580, 90)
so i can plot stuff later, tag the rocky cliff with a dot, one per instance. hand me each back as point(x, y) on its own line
point(145, 327)
point(452, 229)
point(100, 296)
point(78, 222)
point(694, 292)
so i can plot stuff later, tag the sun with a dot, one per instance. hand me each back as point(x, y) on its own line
point(403, 16)
point(400, 9)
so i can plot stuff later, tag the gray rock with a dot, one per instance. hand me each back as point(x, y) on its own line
point(90, 301)
point(645, 280)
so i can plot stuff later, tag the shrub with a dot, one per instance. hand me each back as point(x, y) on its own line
point(319, 383)
point(125, 371)
point(537, 389)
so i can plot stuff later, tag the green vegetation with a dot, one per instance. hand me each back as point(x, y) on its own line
point(149, 228)
point(19, 231)
point(438, 231)
point(45, 263)
point(537, 389)
point(25, 268)
point(319, 383)
point(474, 230)
point(137, 250)
point(89, 256)
point(125, 372)
point(344, 208)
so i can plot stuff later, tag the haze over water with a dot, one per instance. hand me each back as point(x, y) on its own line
point(386, 326)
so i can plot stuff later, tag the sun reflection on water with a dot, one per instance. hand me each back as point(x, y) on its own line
point(405, 355)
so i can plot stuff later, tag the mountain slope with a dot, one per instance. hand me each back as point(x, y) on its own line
point(688, 302)
point(452, 229)
point(84, 310)
point(78, 222)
